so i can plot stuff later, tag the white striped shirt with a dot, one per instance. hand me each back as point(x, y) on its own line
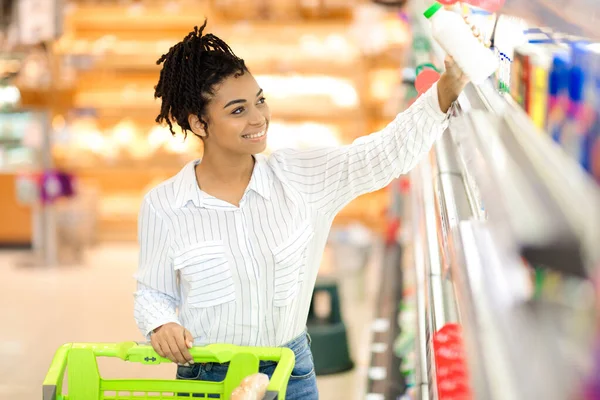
point(245, 275)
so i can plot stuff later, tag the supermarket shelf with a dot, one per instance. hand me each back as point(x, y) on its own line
point(439, 203)
point(514, 200)
point(384, 369)
point(552, 182)
point(97, 18)
point(469, 261)
point(328, 115)
point(133, 63)
point(493, 192)
point(574, 17)
point(91, 19)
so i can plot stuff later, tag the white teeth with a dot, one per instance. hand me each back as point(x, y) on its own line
point(255, 135)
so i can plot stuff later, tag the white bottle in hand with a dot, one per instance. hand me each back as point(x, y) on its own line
point(455, 36)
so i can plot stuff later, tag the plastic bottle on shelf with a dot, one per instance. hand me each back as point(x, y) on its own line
point(456, 38)
point(591, 146)
point(408, 369)
point(572, 135)
point(594, 146)
point(540, 64)
point(558, 96)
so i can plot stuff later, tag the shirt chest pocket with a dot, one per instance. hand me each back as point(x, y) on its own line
point(205, 274)
point(290, 265)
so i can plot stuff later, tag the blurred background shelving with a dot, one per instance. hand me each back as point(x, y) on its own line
point(327, 69)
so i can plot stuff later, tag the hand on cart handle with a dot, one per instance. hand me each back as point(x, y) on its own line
point(173, 341)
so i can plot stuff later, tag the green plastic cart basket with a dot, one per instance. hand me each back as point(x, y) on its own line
point(84, 381)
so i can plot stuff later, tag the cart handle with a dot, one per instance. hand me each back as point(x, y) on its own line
point(145, 354)
point(52, 386)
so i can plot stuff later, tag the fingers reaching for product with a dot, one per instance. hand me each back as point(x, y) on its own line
point(173, 341)
point(253, 387)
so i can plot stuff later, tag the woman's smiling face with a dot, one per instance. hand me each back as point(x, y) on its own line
point(237, 116)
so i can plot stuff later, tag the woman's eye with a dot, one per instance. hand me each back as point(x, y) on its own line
point(262, 100)
point(238, 110)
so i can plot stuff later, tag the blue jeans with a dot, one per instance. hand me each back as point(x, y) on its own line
point(302, 384)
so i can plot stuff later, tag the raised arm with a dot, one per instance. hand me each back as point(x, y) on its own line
point(330, 178)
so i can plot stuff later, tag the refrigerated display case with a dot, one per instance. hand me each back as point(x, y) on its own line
point(503, 247)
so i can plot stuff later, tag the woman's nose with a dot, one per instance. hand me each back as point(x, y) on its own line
point(256, 117)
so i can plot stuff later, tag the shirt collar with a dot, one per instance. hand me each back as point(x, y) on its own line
point(262, 177)
point(186, 187)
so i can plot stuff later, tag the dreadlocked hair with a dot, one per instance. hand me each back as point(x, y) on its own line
point(191, 70)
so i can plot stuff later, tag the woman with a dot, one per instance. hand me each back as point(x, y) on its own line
point(231, 245)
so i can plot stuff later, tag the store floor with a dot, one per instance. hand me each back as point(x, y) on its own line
point(42, 308)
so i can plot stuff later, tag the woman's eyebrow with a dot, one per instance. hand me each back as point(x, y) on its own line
point(237, 101)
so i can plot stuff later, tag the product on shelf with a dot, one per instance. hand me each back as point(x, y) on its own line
point(405, 345)
point(483, 20)
point(507, 34)
point(538, 106)
point(20, 139)
point(558, 95)
point(82, 142)
point(594, 136)
point(558, 84)
point(452, 376)
point(573, 131)
point(456, 38)
point(9, 97)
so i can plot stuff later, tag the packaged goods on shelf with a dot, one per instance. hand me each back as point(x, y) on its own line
point(558, 85)
point(554, 77)
point(503, 281)
point(20, 140)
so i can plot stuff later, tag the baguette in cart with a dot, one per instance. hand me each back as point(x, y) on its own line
point(79, 362)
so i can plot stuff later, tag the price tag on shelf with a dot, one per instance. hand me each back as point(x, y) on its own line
point(39, 20)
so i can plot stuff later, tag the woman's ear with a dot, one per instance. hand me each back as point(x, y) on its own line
point(196, 125)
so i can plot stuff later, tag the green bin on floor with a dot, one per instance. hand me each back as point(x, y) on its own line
point(328, 334)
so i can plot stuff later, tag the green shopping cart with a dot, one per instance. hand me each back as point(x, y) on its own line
point(85, 383)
